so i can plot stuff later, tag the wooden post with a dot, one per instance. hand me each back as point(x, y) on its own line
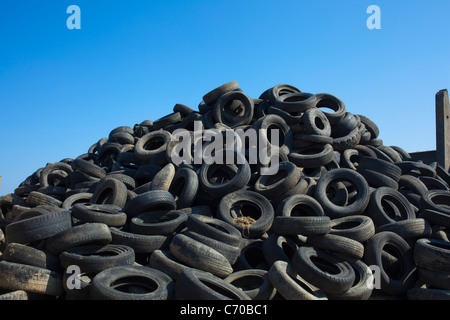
point(443, 129)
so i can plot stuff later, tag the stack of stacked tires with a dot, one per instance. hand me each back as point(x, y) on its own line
point(343, 217)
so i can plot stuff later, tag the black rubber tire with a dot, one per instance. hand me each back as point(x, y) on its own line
point(89, 168)
point(237, 182)
point(279, 90)
point(150, 201)
point(111, 215)
point(158, 222)
point(194, 284)
point(378, 209)
point(200, 256)
point(313, 156)
point(248, 211)
point(267, 123)
point(86, 233)
point(43, 178)
point(296, 102)
point(96, 258)
point(432, 254)
point(437, 200)
point(14, 295)
point(290, 285)
point(370, 126)
point(356, 227)
point(235, 120)
point(167, 263)
point(316, 122)
point(70, 201)
point(431, 294)
point(360, 290)
point(139, 242)
point(404, 278)
point(274, 186)
point(329, 101)
point(435, 217)
point(277, 247)
point(110, 191)
point(228, 251)
point(214, 228)
point(36, 198)
point(184, 187)
point(382, 166)
point(435, 279)
point(416, 168)
point(342, 174)
point(117, 282)
point(323, 270)
point(23, 254)
point(38, 227)
point(151, 144)
point(163, 179)
point(211, 97)
point(253, 282)
point(17, 276)
point(337, 244)
point(409, 228)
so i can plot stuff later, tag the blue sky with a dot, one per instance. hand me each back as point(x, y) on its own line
point(62, 90)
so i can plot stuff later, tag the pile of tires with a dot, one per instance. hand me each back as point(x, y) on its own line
point(344, 217)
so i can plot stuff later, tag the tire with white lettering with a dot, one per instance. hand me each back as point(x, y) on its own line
point(131, 283)
point(195, 284)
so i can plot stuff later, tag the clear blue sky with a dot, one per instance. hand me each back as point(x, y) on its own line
point(62, 90)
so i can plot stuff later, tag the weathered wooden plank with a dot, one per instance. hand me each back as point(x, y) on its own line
point(443, 129)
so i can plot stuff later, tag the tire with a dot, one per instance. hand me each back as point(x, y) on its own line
point(132, 283)
point(255, 283)
point(435, 217)
point(428, 294)
point(432, 254)
point(151, 144)
point(437, 200)
point(82, 197)
point(416, 168)
point(96, 258)
point(248, 211)
point(325, 100)
point(110, 191)
point(378, 207)
point(277, 91)
point(38, 228)
point(382, 166)
point(184, 187)
point(290, 285)
point(313, 156)
point(150, 201)
point(296, 102)
point(91, 169)
point(228, 251)
point(43, 179)
point(36, 198)
point(163, 179)
point(139, 242)
point(410, 228)
point(23, 254)
point(198, 255)
point(87, 233)
point(193, 284)
point(211, 97)
point(277, 247)
point(214, 228)
point(158, 222)
point(16, 276)
point(14, 295)
point(343, 174)
point(111, 215)
point(370, 126)
point(435, 279)
point(273, 186)
point(316, 122)
point(392, 282)
point(237, 182)
point(338, 244)
point(233, 120)
point(376, 179)
point(329, 273)
point(268, 122)
point(167, 263)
